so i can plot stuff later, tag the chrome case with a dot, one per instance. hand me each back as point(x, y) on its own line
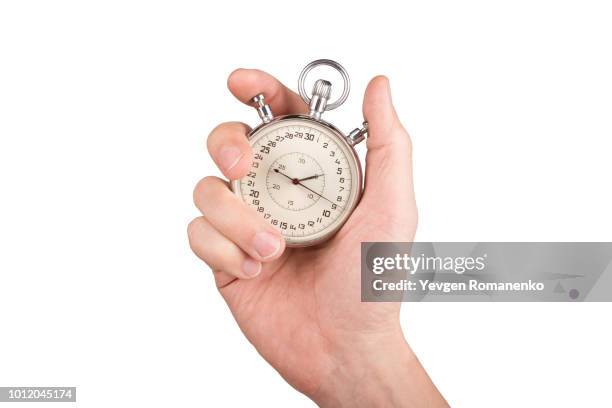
point(341, 138)
point(318, 103)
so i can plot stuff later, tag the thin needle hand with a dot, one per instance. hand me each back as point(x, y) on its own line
point(293, 180)
point(325, 198)
point(297, 181)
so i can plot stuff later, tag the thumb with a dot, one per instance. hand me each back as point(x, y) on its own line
point(389, 158)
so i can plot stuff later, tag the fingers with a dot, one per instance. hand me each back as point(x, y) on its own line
point(227, 143)
point(220, 253)
point(247, 83)
point(239, 223)
point(389, 157)
point(230, 149)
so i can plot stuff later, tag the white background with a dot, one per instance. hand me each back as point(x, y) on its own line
point(104, 110)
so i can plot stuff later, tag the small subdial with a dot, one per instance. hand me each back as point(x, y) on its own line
point(295, 181)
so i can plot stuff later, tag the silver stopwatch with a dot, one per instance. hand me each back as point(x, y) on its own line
point(305, 178)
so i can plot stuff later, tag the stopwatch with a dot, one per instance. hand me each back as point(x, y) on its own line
point(305, 178)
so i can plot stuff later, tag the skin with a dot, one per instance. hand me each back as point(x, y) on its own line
point(301, 307)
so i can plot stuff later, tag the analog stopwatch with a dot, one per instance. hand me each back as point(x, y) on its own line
point(305, 178)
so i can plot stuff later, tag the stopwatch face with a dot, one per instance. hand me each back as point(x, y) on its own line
point(305, 179)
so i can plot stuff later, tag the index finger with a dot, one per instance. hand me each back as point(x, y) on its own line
point(244, 84)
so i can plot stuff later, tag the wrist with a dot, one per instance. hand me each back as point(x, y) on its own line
point(378, 370)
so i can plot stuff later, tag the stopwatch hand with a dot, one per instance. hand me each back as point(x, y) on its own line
point(293, 180)
point(297, 182)
point(311, 177)
point(325, 198)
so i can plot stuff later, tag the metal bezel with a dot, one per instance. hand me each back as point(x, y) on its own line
point(235, 184)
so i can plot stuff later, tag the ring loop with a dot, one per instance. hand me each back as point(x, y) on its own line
point(337, 67)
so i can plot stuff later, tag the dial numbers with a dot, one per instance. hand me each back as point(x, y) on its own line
point(303, 179)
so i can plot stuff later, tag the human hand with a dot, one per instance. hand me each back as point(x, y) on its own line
point(301, 307)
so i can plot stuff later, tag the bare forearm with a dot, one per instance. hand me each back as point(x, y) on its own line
point(385, 374)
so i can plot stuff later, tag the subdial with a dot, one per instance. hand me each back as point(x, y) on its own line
point(295, 181)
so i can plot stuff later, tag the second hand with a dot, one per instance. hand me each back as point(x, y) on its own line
point(297, 181)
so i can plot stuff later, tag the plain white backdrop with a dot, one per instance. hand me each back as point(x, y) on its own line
point(104, 111)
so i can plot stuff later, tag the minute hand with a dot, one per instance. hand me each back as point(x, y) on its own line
point(311, 177)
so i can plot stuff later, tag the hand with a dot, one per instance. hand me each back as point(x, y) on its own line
point(300, 307)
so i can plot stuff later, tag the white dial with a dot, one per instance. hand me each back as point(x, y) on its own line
point(305, 179)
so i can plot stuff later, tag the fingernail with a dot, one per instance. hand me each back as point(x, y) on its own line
point(266, 244)
point(229, 157)
point(251, 267)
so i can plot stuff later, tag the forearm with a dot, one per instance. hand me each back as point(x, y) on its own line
point(381, 373)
